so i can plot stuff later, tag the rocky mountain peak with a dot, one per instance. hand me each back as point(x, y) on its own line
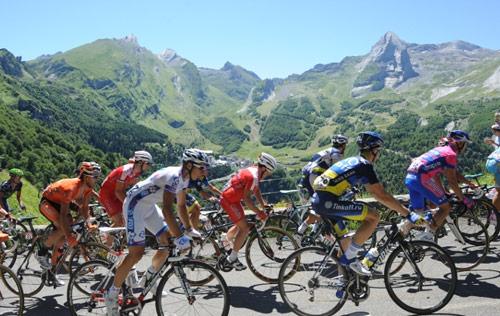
point(10, 64)
point(170, 57)
point(131, 39)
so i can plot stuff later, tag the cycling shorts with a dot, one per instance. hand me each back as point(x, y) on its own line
point(329, 206)
point(493, 167)
point(233, 210)
point(50, 210)
point(422, 190)
point(140, 216)
point(112, 205)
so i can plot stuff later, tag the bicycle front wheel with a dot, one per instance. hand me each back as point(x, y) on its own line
point(315, 286)
point(425, 280)
point(188, 298)
point(11, 292)
point(267, 250)
point(87, 287)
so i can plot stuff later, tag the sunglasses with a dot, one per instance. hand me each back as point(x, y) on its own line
point(202, 167)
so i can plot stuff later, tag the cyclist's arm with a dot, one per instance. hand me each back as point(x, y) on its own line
point(451, 176)
point(1, 201)
point(247, 198)
point(3, 212)
point(84, 208)
point(182, 209)
point(63, 219)
point(18, 196)
point(205, 195)
point(462, 179)
point(120, 190)
point(379, 193)
point(214, 189)
point(259, 197)
point(168, 213)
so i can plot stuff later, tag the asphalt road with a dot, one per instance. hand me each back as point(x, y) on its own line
point(477, 293)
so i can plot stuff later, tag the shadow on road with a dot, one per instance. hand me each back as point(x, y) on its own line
point(40, 306)
point(261, 298)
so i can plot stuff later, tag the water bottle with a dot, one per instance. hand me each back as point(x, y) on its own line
point(370, 257)
point(132, 278)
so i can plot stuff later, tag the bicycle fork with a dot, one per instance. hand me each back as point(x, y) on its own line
point(181, 275)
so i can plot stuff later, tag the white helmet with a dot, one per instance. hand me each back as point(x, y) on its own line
point(196, 156)
point(267, 161)
point(339, 140)
point(144, 156)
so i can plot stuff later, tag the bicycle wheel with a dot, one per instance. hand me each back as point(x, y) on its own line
point(30, 274)
point(11, 293)
point(211, 298)
point(312, 287)
point(87, 252)
point(206, 251)
point(488, 216)
point(87, 286)
point(427, 280)
point(264, 257)
point(284, 222)
point(465, 240)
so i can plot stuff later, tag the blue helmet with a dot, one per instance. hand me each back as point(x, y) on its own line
point(369, 140)
point(458, 136)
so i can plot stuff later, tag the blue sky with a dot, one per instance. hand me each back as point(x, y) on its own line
point(273, 38)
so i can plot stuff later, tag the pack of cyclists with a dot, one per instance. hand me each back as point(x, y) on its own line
point(328, 177)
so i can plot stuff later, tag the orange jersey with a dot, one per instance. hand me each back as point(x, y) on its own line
point(65, 191)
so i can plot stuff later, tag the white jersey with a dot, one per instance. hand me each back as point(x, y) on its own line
point(151, 190)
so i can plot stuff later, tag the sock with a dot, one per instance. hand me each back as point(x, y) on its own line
point(352, 251)
point(150, 272)
point(302, 228)
point(233, 256)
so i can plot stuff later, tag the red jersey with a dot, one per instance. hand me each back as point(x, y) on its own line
point(123, 174)
point(245, 179)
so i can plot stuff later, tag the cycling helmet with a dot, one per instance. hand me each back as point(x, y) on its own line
point(339, 139)
point(369, 140)
point(16, 172)
point(495, 127)
point(90, 169)
point(458, 136)
point(143, 156)
point(196, 156)
point(267, 161)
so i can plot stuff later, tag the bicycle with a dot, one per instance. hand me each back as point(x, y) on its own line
point(266, 247)
point(91, 281)
point(321, 286)
point(11, 291)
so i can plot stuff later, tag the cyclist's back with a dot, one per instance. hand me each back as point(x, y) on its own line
point(434, 162)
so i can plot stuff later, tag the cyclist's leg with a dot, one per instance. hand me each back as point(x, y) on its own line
point(235, 213)
point(311, 218)
point(194, 214)
point(155, 223)
point(434, 192)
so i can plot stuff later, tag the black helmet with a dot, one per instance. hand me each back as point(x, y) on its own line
point(369, 140)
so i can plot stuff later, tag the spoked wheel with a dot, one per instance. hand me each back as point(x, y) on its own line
point(86, 288)
point(425, 282)
point(266, 252)
point(206, 251)
point(11, 292)
point(186, 298)
point(466, 242)
point(316, 286)
point(87, 252)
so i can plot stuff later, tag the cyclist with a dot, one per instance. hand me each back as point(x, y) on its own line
point(203, 187)
point(57, 201)
point(320, 162)
point(337, 181)
point(242, 186)
point(8, 187)
point(422, 179)
point(141, 212)
point(493, 167)
point(118, 181)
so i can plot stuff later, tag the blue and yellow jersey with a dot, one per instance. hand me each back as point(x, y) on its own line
point(345, 174)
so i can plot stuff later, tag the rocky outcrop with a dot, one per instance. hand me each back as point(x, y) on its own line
point(10, 64)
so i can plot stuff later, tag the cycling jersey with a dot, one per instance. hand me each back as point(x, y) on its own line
point(199, 185)
point(107, 195)
point(232, 194)
point(140, 209)
point(65, 191)
point(317, 165)
point(493, 165)
point(345, 174)
point(7, 191)
point(334, 183)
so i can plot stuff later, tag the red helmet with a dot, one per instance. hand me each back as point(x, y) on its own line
point(90, 169)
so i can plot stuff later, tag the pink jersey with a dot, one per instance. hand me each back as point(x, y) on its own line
point(245, 179)
point(434, 162)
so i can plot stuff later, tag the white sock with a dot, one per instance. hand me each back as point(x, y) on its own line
point(233, 256)
point(302, 228)
point(150, 272)
point(352, 251)
point(113, 291)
